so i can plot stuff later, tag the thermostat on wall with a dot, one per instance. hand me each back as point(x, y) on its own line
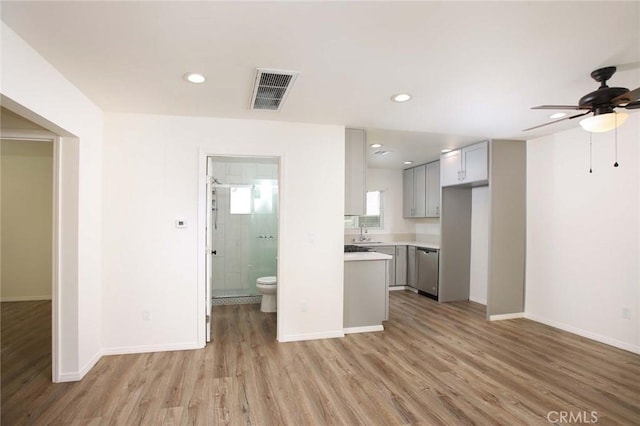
point(181, 223)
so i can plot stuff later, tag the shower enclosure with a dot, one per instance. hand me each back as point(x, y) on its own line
point(244, 223)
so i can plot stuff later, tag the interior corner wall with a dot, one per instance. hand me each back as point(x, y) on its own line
point(151, 178)
point(479, 263)
point(583, 236)
point(26, 216)
point(33, 88)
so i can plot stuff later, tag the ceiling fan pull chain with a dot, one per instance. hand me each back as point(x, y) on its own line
point(616, 142)
point(590, 153)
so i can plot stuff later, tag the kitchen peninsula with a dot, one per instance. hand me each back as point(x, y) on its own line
point(366, 291)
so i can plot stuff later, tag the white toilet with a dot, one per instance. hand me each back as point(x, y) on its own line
point(267, 287)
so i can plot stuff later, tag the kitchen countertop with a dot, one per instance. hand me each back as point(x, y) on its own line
point(399, 243)
point(351, 257)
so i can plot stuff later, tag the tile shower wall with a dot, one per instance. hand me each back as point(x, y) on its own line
point(246, 244)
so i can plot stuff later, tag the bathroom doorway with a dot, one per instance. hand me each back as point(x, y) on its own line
point(242, 228)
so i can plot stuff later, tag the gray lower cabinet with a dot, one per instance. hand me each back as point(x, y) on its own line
point(391, 251)
point(412, 272)
point(401, 265)
point(365, 293)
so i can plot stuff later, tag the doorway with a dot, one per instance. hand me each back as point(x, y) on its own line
point(28, 256)
point(242, 227)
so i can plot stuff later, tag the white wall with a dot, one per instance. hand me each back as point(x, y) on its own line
point(34, 89)
point(479, 263)
point(583, 234)
point(151, 177)
point(26, 216)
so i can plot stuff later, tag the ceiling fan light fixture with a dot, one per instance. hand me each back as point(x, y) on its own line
point(604, 122)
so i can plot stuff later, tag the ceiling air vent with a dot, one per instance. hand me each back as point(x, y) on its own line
point(271, 88)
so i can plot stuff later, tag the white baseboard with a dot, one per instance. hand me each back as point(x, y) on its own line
point(506, 316)
point(25, 298)
point(124, 350)
point(482, 302)
point(584, 333)
point(365, 329)
point(89, 365)
point(78, 375)
point(311, 336)
point(69, 377)
point(403, 287)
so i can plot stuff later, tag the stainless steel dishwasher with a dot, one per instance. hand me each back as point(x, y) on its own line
point(427, 262)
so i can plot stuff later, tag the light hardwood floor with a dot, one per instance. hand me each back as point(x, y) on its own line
point(433, 364)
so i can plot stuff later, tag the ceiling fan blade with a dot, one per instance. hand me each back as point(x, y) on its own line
point(631, 105)
point(625, 98)
point(557, 121)
point(561, 107)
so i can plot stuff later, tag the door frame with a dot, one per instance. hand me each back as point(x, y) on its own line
point(202, 240)
point(56, 216)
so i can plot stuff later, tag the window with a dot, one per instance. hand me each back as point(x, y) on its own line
point(240, 202)
point(373, 214)
point(256, 198)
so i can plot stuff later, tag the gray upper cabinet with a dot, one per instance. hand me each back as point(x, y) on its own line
point(355, 172)
point(408, 198)
point(469, 165)
point(433, 189)
point(421, 191)
point(475, 159)
point(450, 166)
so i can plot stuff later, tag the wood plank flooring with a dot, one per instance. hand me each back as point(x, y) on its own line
point(433, 364)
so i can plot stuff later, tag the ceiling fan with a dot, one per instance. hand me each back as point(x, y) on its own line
point(602, 103)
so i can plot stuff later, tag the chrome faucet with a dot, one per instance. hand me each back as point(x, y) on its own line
point(363, 230)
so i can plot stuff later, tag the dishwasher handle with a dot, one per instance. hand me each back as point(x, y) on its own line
point(426, 250)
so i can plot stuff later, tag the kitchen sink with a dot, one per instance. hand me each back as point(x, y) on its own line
point(352, 248)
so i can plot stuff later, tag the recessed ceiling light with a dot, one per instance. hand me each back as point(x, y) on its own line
point(401, 97)
point(375, 145)
point(408, 162)
point(444, 151)
point(558, 115)
point(194, 77)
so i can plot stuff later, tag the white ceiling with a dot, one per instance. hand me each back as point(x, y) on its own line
point(474, 68)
